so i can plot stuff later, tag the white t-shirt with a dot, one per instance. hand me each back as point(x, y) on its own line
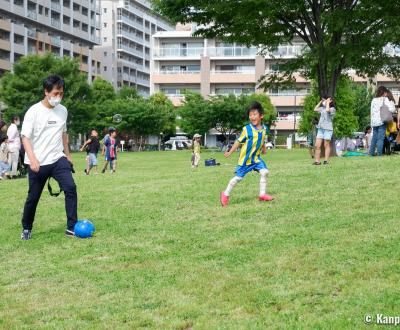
point(376, 104)
point(14, 141)
point(44, 128)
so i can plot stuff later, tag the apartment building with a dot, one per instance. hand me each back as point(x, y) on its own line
point(181, 61)
point(127, 27)
point(62, 27)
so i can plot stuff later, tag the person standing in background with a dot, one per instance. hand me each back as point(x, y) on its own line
point(14, 145)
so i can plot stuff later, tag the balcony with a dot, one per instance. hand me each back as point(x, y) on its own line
point(289, 92)
point(31, 33)
point(55, 6)
point(143, 82)
point(287, 51)
point(232, 52)
point(178, 52)
point(55, 41)
point(32, 14)
point(233, 91)
point(131, 50)
point(172, 76)
point(225, 76)
point(131, 36)
point(55, 23)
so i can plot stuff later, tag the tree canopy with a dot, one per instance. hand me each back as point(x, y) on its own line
point(23, 87)
point(339, 35)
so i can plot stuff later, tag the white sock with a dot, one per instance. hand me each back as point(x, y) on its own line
point(231, 184)
point(263, 181)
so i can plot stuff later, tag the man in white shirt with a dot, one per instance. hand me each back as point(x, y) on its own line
point(45, 139)
point(14, 145)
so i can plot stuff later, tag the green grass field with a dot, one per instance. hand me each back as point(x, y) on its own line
point(167, 256)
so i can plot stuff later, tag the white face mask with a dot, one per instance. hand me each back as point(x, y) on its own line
point(54, 101)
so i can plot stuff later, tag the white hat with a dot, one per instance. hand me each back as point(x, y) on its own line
point(196, 136)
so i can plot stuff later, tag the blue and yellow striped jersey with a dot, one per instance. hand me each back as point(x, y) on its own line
point(252, 140)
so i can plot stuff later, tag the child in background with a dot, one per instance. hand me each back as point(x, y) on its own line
point(252, 140)
point(110, 144)
point(92, 147)
point(196, 150)
point(5, 167)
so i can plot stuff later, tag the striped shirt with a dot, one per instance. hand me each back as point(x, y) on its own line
point(252, 140)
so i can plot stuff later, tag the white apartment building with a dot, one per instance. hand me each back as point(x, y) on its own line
point(181, 62)
point(127, 27)
point(62, 27)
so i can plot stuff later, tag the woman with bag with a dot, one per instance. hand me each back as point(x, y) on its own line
point(382, 109)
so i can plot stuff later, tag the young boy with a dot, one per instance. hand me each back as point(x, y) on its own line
point(196, 150)
point(110, 144)
point(252, 140)
point(93, 147)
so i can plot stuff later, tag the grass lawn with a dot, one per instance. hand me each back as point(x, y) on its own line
point(167, 256)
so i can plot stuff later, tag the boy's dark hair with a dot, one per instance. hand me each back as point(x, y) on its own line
point(367, 129)
point(14, 118)
point(53, 81)
point(255, 106)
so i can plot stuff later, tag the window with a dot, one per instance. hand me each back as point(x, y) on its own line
point(18, 39)
point(105, 25)
point(105, 68)
point(105, 10)
point(105, 39)
point(105, 54)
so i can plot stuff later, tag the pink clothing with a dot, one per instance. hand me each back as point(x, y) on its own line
point(112, 148)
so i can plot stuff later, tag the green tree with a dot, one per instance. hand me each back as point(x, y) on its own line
point(363, 96)
point(195, 114)
point(102, 90)
point(228, 113)
point(339, 35)
point(23, 87)
point(345, 121)
point(127, 92)
point(103, 96)
point(160, 104)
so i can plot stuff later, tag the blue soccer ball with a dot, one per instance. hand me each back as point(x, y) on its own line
point(84, 229)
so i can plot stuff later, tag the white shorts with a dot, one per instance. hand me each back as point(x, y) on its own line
point(324, 134)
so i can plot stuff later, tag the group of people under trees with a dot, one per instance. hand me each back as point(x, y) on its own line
point(382, 128)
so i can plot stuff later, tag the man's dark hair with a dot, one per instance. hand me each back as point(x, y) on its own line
point(53, 81)
point(255, 106)
point(2, 124)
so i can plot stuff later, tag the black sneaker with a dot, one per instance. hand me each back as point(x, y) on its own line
point(326, 162)
point(103, 171)
point(317, 163)
point(26, 234)
point(69, 233)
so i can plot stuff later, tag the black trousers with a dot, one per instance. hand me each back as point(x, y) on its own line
point(61, 172)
